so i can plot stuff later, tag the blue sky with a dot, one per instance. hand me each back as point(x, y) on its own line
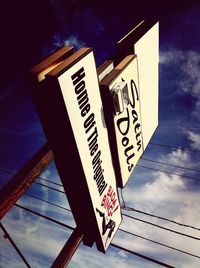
point(167, 195)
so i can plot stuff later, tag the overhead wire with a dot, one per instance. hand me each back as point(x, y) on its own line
point(15, 171)
point(53, 182)
point(47, 186)
point(48, 218)
point(162, 227)
point(67, 226)
point(123, 207)
point(160, 218)
point(112, 244)
point(35, 182)
point(159, 243)
point(48, 202)
point(168, 172)
point(174, 147)
point(44, 216)
point(169, 164)
point(7, 236)
point(142, 256)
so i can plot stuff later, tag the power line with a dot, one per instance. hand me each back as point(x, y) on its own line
point(6, 235)
point(171, 165)
point(53, 182)
point(47, 186)
point(142, 256)
point(174, 147)
point(112, 244)
point(179, 127)
point(44, 216)
point(161, 218)
point(168, 172)
point(44, 185)
point(162, 227)
point(48, 202)
point(159, 243)
point(124, 207)
point(15, 171)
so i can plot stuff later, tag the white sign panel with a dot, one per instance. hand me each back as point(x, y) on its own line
point(123, 88)
point(147, 51)
point(80, 90)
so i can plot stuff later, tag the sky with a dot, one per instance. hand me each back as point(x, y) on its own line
point(32, 31)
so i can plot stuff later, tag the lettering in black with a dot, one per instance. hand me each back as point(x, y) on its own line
point(90, 127)
point(123, 125)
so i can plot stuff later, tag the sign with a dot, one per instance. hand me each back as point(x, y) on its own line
point(147, 51)
point(131, 89)
point(120, 90)
point(73, 121)
point(143, 41)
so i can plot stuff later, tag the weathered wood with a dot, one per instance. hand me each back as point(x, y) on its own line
point(20, 182)
point(69, 249)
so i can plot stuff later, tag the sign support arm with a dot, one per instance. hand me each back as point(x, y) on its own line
point(69, 249)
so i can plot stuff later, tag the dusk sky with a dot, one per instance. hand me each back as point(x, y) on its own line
point(34, 29)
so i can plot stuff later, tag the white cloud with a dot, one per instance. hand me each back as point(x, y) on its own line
point(74, 41)
point(195, 139)
point(187, 64)
point(59, 41)
point(177, 157)
point(169, 196)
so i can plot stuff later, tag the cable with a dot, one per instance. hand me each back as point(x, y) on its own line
point(53, 182)
point(174, 147)
point(48, 202)
point(161, 218)
point(158, 243)
point(6, 235)
point(15, 171)
point(44, 216)
point(49, 187)
point(112, 244)
point(142, 256)
point(161, 227)
point(171, 165)
point(44, 185)
point(179, 127)
point(124, 208)
point(168, 172)
point(135, 234)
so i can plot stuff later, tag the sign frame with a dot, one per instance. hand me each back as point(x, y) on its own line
point(100, 223)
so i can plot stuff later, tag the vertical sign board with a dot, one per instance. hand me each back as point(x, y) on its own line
point(143, 41)
point(73, 123)
point(125, 125)
point(147, 51)
point(132, 127)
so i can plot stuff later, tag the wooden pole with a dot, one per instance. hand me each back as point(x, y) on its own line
point(69, 249)
point(21, 181)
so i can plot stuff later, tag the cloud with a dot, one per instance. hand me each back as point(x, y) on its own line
point(59, 41)
point(169, 196)
point(195, 139)
point(187, 65)
point(73, 41)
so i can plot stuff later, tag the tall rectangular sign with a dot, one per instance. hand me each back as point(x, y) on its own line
point(72, 117)
point(121, 97)
point(130, 96)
